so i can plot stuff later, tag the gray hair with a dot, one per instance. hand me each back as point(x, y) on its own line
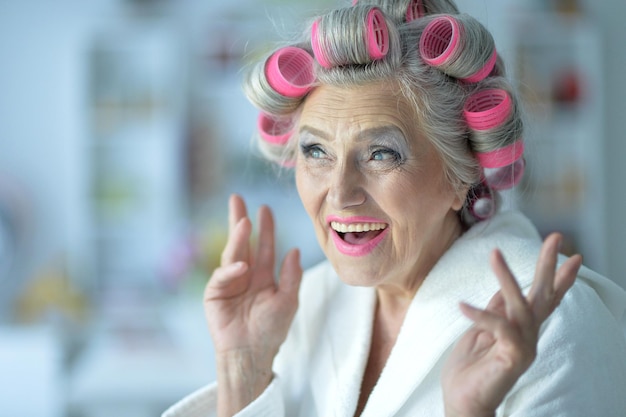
point(438, 94)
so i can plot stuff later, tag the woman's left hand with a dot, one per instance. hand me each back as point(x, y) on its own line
point(502, 344)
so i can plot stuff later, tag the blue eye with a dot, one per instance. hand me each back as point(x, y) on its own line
point(312, 151)
point(316, 153)
point(385, 155)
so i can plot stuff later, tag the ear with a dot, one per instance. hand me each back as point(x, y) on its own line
point(460, 197)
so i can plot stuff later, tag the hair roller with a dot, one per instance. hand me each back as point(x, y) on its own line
point(333, 37)
point(400, 11)
point(503, 178)
point(289, 71)
point(440, 7)
point(501, 157)
point(410, 10)
point(488, 113)
point(487, 109)
point(377, 35)
point(278, 84)
point(275, 130)
point(493, 117)
point(481, 202)
point(318, 51)
point(459, 46)
point(415, 10)
point(503, 167)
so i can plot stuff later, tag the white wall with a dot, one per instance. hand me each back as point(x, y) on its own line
point(42, 118)
point(610, 14)
point(44, 132)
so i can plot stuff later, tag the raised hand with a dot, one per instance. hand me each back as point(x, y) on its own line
point(502, 344)
point(247, 311)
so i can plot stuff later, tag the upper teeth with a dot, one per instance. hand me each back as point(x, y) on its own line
point(357, 227)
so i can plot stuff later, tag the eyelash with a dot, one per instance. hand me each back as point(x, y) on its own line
point(307, 150)
point(395, 156)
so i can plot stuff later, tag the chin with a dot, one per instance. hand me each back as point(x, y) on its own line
point(357, 275)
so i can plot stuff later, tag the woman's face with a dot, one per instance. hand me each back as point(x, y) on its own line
point(373, 186)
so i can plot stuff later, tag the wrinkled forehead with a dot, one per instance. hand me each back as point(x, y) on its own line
point(349, 109)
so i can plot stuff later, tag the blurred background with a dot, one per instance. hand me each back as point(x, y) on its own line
point(123, 130)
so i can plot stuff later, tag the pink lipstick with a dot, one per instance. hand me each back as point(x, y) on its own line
point(356, 236)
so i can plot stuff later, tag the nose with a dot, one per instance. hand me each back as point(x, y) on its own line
point(346, 187)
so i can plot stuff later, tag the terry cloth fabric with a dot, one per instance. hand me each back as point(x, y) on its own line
point(580, 369)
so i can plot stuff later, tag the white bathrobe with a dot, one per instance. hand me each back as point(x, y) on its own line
point(580, 369)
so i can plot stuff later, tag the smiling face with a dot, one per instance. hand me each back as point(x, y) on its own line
point(374, 187)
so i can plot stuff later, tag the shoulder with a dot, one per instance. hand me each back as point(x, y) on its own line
point(585, 336)
point(588, 320)
point(580, 369)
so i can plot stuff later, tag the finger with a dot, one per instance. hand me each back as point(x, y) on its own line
point(290, 273)
point(542, 292)
point(515, 305)
point(481, 318)
point(225, 282)
point(223, 275)
point(236, 211)
point(565, 278)
point(496, 304)
point(238, 244)
point(265, 254)
point(492, 323)
point(516, 352)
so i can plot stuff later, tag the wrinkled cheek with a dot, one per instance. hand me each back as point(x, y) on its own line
point(312, 195)
point(404, 250)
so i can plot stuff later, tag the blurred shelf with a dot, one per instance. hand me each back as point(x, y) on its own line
point(559, 65)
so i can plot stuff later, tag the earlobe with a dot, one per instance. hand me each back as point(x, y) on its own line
point(460, 197)
point(457, 204)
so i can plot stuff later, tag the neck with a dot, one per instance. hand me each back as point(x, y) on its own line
point(394, 297)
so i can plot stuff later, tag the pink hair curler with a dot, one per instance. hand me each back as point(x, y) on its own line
point(484, 71)
point(377, 34)
point(376, 39)
point(501, 157)
point(274, 131)
point(443, 44)
point(289, 71)
point(415, 10)
point(487, 109)
point(482, 205)
point(440, 40)
point(354, 2)
point(506, 177)
point(320, 56)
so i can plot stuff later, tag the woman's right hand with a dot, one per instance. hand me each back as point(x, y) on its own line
point(247, 311)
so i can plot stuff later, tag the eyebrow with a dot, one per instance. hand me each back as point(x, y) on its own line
point(362, 135)
point(313, 131)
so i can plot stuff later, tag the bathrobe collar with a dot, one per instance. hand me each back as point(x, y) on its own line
point(432, 323)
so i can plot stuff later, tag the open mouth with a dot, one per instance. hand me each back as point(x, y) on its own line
point(357, 239)
point(358, 233)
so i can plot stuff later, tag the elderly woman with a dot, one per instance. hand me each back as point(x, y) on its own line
point(401, 128)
